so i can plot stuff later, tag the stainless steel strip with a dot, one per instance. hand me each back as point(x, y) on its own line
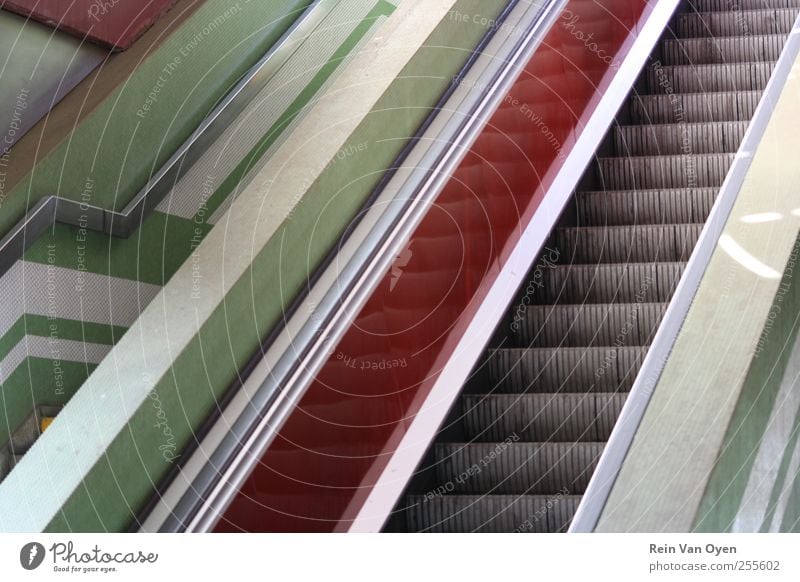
point(599, 489)
point(212, 489)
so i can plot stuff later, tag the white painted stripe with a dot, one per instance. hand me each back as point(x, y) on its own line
point(57, 292)
point(223, 208)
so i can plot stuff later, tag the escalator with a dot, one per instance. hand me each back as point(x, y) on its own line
point(521, 444)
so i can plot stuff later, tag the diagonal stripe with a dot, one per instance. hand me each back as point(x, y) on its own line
point(56, 292)
point(223, 205)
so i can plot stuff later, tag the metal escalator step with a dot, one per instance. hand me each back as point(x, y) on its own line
point(563, 417)
point(679, 138)
point(624, 244)
point(551, 370)
point(694, 107)
point(736, 22)
point(731, 49)
point(731, 5)
point(709, 78)
point(620, 324)
point(491, 513)
point(610, 283)
point(630, 207)
point(516, 468)
point(654, 172)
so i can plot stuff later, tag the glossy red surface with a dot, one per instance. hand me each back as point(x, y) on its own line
point(317, 473)
point(112, 23)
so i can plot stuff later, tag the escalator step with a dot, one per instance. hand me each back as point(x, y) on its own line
point(516, 468)
point(731, 49)
point(626, 207)
point(620, 324)
point(653, 172)
point(621, 244)
point(551, 370)
point(728, 5)
point(694, 107)
point(708, 78)
point(491, 513)
point(736, 22)
point(563, 417)
point(606, 283)
point(679, 138)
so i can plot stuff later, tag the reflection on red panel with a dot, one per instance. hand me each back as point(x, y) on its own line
point(319, 470)
point(112, 23)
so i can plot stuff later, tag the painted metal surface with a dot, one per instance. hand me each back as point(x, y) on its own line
point(330, 452)
point(38, 68)
point(112, 23)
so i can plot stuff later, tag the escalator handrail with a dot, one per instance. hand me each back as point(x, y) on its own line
point(54, 209)
point(599, 489)
point(246, 438)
